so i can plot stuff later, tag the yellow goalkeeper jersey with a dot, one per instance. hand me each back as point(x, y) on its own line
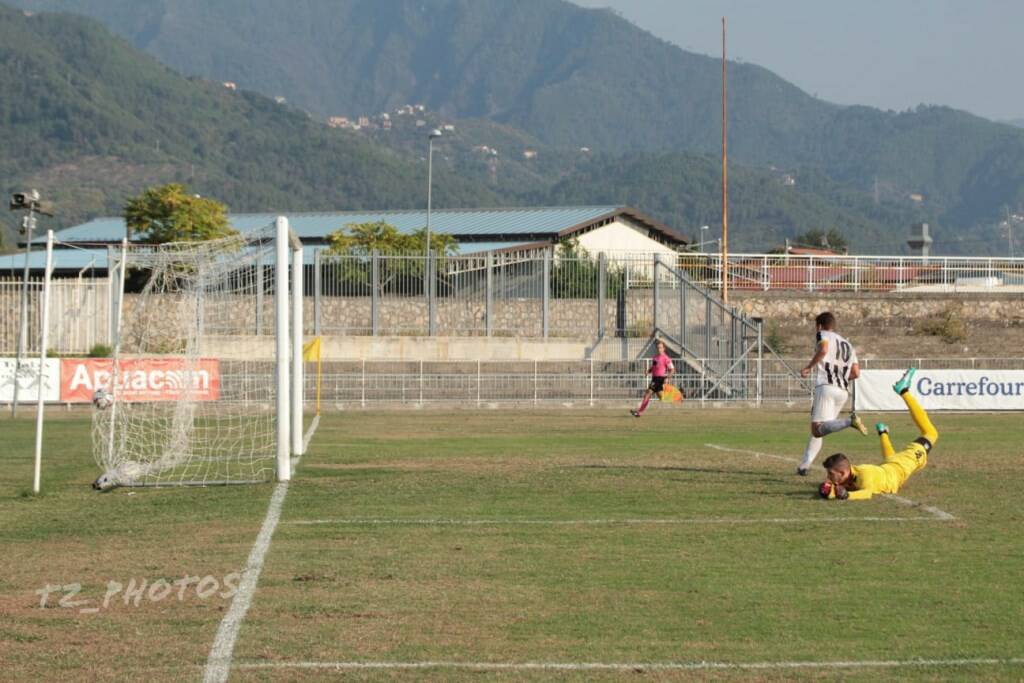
point(868, 480)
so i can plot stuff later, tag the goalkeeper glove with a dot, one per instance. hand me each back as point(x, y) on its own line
point(841, 492)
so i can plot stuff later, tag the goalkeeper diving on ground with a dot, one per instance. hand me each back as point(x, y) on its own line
point(860, 482)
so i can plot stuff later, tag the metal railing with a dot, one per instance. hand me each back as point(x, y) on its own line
point(719, 343)
point(575, 383)
point(766, 272)
point(527, 383)
point(481, 384)
point(493, 294)
point(79, 318)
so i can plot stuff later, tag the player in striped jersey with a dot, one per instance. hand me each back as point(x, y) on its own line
point(835, 366)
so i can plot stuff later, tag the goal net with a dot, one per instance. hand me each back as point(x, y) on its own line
point(201, 381)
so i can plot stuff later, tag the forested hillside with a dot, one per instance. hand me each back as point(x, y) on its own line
point(95, 121)
point(572, 77)
point(89, 120)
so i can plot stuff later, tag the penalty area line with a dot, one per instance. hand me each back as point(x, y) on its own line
point(637, 666)
point(935, 512)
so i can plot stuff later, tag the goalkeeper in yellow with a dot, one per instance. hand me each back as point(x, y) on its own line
point(860, 482)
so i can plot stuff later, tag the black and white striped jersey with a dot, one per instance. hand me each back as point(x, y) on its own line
point(834, 368)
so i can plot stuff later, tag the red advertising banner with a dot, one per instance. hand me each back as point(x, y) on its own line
point(139, 379)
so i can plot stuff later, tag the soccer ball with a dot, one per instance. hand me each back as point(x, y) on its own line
point(104, 482)
point(102, 399)
point(127, 472)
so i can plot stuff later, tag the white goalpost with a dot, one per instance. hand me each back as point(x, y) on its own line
point(206, 381)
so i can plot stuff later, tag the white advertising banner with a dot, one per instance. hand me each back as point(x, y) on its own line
point(944, 390)
point(28, 380)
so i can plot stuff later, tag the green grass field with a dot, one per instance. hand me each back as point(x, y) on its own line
point(514, 537)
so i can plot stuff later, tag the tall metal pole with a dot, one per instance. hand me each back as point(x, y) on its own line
point(29, 224)
point(430, 185)
point(428, 279)
point(426, 263)
point(725, 180)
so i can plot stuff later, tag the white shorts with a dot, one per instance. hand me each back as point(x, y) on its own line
point(828, 402)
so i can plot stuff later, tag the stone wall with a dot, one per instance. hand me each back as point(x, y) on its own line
point(786, 307)
point(570, 318)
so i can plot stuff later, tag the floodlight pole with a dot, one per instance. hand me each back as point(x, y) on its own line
point(428, 279)
point(29, 225)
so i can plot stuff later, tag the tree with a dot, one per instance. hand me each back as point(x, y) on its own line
point(167, 213)
point(575, 273)
point(361, 239)
point(404, 276)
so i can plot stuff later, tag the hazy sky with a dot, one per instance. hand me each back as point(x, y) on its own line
point(891, 54)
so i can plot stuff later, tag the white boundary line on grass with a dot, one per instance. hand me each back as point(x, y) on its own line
point(637, 666)
point(357, 521)
point(935, 512)
point(218, 662)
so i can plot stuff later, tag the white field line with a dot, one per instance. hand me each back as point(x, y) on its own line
point(218, 663)
point(756, 454)
point(310, 432)
point(357, 521)
point(636, 666)
point(935, 512)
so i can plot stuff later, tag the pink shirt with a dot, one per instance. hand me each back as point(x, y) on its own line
point(660, 365)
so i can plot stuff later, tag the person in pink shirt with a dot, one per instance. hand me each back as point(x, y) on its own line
point(661, 369)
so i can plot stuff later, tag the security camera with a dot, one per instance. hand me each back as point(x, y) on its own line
point(24, 200)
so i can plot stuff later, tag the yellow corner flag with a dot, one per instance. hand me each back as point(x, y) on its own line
point(311, 354)
point(311, 350)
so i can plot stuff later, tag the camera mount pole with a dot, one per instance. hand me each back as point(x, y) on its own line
point(28, 224)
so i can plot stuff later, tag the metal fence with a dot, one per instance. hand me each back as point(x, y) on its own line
point(765, 272)
point(479, 384)
point(588, 383)
point(79, 318)
point(493, 294)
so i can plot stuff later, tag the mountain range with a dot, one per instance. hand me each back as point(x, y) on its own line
point(547, 75)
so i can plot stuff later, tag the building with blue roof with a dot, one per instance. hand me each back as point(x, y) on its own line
point(608, 229)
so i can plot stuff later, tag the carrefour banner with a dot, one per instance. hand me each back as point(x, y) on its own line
point(28, 380)
point(139, 379)
point(944, 390)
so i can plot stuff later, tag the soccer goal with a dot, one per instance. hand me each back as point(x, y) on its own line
point(206, 381)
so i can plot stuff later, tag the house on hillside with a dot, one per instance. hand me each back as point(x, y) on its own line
point(613, 230)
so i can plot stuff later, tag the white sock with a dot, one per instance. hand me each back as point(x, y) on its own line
point(813, 446)
point(833, 426)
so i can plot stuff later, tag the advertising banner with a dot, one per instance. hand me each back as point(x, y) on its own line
point(28, 380)
point(944, 390)
point(139, 379)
